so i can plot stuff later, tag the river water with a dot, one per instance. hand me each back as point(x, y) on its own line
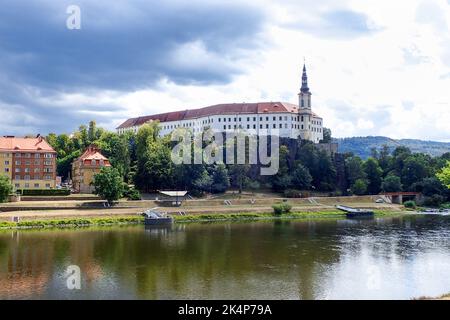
point(383, 258)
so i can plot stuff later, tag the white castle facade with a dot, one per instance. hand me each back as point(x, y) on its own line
point(262, 118)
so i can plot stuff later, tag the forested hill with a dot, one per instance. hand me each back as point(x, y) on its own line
point(362, 146)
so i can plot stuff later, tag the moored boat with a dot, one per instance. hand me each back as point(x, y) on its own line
point(356, 213)
point(153, 217)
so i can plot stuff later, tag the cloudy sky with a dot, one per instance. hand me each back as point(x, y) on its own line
point(376, 67)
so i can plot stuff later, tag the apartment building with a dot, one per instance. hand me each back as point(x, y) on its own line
point(30, 163)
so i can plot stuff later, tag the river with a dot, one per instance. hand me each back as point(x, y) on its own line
point(384, 258)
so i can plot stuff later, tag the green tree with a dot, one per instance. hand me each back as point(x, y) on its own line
point(444, 175)
point(154, 168)
point(430, 186)
point(282, 180)
point(326, 172)
point(354, 169)
point(385, 160)
point(319, 164)
point(398, 158)
point(359, 187)
point(204, 182)
point(415, 168)
point(301, 178)
point(374, 174)
point(391, 183)
point(221, 180)
point(326, 136)
point(239, 175)
point(92, 131)
point(116, 148)
point(5, 188)
point(108, 184)
point(82, 136)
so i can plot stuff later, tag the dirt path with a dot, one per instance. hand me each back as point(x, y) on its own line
point(191, 209)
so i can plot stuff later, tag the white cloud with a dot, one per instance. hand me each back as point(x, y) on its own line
point(392, 81)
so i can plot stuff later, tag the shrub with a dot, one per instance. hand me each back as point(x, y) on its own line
point(5, 188)
point(44, 192)
point(130, 192)
point(391, 183)
point(359, 187)
point(281, 208)
point(108, 184)
point(410, 204)
point(434, 201)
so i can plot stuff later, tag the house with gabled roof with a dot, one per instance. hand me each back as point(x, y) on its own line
point(85, 167)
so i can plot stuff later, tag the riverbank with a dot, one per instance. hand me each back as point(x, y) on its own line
point(83, 221)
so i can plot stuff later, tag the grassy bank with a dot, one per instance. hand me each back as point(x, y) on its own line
point(86, 222)
point(71, 223)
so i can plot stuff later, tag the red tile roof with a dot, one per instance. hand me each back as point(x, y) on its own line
point(25, 144)
point(231, 108)
point(92, 153)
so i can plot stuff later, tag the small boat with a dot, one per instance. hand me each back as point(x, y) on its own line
point(153, 217)
point(356, 213)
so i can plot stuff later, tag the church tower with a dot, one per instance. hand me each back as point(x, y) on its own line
point(304, 97)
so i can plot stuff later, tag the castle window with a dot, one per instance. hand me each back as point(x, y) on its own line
point(274, 125)
point(224, 119)
point(224, 126)
point(281, 126)
point(267, 126)
point(303, 103)
point(281, 118)
point(239, 119)
point(254, 118)
point(248, 126)
point(260, 118)
point(302, 120)
point(248, 118)
point(260, 126)
point(219, 119)
point(274, 118)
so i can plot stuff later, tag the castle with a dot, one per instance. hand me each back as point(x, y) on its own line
point(284, 119)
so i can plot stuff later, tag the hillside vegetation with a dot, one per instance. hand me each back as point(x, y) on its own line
point(362, 146)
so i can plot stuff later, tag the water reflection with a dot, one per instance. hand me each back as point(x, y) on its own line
point(379, 258)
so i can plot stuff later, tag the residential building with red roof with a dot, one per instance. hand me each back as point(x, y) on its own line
point(30, 163)
point(261, 118)
point(85, 167)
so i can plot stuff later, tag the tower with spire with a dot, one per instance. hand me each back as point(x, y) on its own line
point(304, 96)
